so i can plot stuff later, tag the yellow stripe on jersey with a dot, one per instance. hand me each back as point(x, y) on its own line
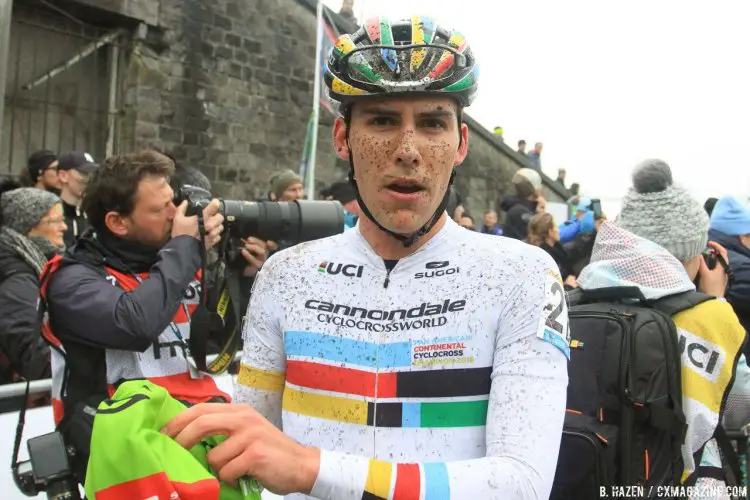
point(264, 380)
point(379, 478)
point(328, 407)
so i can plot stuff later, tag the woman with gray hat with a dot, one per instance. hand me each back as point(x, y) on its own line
point(31, 231)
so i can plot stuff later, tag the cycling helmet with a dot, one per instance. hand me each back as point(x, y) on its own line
point(410, 55)
point(389, 58)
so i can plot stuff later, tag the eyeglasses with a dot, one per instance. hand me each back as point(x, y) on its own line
point(54, 220)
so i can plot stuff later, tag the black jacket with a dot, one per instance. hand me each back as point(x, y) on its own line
point(20, 326)
point(518, 213)
point(76, 222)
point(567, 257)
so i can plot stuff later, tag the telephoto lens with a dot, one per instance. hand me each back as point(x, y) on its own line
point(296, 221)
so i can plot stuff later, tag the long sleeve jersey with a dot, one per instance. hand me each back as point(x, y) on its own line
point(441, 377)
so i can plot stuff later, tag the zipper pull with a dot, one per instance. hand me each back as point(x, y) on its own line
point(387, 279)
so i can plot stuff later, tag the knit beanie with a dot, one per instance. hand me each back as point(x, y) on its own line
point(659, 211)
point(281, 181)
point(24, 208)
point(730, 217)
point(531, 175)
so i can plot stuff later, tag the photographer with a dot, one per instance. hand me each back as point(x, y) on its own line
point(120, 301)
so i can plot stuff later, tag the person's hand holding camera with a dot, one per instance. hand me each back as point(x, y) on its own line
point(255, 252)
point(188, 226)
point(714, 281)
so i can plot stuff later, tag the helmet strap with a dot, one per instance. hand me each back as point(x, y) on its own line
point(405, 240)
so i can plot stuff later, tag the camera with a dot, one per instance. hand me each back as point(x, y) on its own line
point(712, 257)
point(48, 469)
point(294, 221)
point(596, 207)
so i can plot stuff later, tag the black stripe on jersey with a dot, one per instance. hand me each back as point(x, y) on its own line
point(370, 496)
point(444, 383)
point(386, 415)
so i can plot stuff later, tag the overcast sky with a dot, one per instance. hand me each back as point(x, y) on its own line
point(607, 84)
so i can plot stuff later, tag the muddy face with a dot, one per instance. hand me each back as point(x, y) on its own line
point(404, 150)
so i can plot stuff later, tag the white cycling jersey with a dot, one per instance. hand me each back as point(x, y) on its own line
point(442, 378)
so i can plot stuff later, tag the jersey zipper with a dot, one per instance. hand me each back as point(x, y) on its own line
point(387, 278)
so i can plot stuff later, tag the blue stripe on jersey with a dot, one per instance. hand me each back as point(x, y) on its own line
point(350, 351)
point(436, 482)
point(411, 415)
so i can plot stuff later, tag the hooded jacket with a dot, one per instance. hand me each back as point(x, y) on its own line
point(518, 213)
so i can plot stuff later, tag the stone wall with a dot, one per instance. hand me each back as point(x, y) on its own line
point(227, 86)
point(228, 89)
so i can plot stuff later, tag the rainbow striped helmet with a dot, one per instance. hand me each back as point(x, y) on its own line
point(410, 55)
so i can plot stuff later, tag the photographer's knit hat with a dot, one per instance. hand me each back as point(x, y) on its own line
point(666, 214)
point(280, 182)
point(24, 208)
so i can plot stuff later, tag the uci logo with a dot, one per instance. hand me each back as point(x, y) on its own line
point(704, 357)
point(439, 270)
point(349, 270)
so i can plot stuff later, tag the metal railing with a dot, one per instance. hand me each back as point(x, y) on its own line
point(17, 389)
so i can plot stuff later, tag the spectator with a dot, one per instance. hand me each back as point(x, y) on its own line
point(709, 205)
point(656, 246)
point(467, 221)
point(535, 156)
point(490, 224)
point(344, 193)
point(41, 171)
point(581, 223)
point(522, 147)
point(521, 207)
point(575, 197)
point(286, 186)
point(31, 232)
point(498, 133)
point(74, 169)
point(544, 233)
point(561, 177)
point(541, 204)
point(730, 227)
point(347, 11)
point(454, 204)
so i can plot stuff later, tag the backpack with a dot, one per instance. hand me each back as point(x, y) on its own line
point(624, 424)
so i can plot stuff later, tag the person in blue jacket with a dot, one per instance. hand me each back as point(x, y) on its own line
point(730, 227)
point(581, 223)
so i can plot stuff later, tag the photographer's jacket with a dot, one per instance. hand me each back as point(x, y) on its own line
point(117, 311)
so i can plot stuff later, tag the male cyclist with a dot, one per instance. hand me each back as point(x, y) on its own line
point(408, 357)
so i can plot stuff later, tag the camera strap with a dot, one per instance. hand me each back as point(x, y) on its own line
point(213, 319)
point(19, 430)
point(218, 320)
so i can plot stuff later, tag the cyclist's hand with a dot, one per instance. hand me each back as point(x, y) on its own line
point(255, 252)
point(254, 447)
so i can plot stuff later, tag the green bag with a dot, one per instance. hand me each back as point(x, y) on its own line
point(130, 458)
